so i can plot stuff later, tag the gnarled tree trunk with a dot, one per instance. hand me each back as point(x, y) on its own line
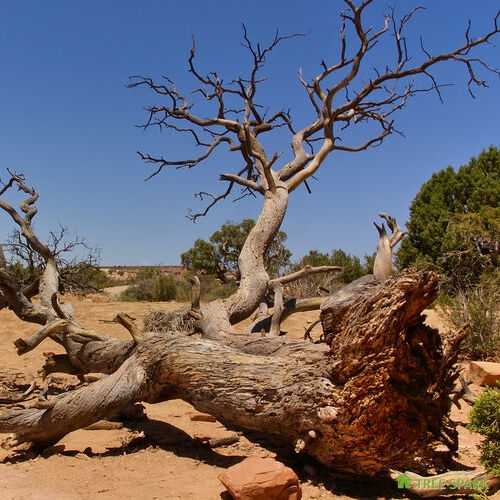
point(376, 399)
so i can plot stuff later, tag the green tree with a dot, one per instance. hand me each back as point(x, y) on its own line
point(227, 244)
point(471, 246)
point(220, 255)
point(314, 258)
point(352, 267)
point(454, 219)
point(201, 257)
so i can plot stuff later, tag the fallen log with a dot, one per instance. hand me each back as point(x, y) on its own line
point(377, 399)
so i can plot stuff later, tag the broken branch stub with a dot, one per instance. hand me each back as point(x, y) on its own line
point(382, 266)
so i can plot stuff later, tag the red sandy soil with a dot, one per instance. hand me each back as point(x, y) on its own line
point(157, 457)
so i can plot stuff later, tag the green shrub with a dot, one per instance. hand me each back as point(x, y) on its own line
point(146, 273)
point(92, 276)
point(140, 292)
point(485, 419)
point(150, 285)
point(164, 288)
point(22, 273)
point(479, 306)
point(212, 288)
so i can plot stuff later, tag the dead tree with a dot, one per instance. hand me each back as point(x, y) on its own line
point(375, 396)
point(376, 400)
point(238, 122)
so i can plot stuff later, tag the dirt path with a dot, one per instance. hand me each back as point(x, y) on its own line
point(162, 456)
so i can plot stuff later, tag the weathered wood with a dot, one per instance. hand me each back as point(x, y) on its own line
point(77, 409)
point(333, 308)
point(56, 326)
point(8, 397)
point(378, 399)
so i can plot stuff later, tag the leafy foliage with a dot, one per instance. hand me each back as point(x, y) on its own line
point(352, 266)
point(471, 246)
point(477, 305)
point(455, 221)
point(485, 419)
point(151, 285)
point(319, 284)
point(219, 257)
point(201, 257)
point(454, 229)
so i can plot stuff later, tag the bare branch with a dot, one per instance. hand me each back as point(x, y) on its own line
point(277, 288)
point(247, 183)
point(193, 216)
point(382, 266)
point(128, 322)
point(397, 233)
point(380, 97)
point(17, 301)
point(340, 95)
point(195, 310)
point(58, 326)
point(161, 162)
point(306, 271)
point(29, 210)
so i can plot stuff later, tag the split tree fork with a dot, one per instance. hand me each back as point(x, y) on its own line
point(376, 396)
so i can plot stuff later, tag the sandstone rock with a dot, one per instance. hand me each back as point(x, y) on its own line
point(261, 479)
point(484, 373)
point(202, 417)
point(204, 438)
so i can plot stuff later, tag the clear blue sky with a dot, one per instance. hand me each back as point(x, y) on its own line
point(68, 122)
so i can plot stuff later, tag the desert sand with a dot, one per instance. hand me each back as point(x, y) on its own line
point(164, 455)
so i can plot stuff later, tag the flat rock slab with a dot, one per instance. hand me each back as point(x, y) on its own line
point(261, 479)
point(485, 373)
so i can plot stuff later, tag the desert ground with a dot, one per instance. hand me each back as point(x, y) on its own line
point(164, 455)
